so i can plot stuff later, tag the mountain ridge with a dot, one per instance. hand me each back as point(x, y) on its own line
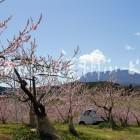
point(123, 77)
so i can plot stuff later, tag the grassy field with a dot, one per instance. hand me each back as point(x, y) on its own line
point(86, 132)
point(96, 133)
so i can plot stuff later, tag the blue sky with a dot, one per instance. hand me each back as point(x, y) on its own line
point(108, 27)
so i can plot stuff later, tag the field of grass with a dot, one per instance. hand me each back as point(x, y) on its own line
point(96, 133)
point(86, 132)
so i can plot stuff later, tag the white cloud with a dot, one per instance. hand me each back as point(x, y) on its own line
point(63, 52)
point(95, 57)
point(109, 60)
point(133, 67)
point(137, 34)
point(129, 48)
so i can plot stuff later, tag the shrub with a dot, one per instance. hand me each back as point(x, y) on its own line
point(104, 125)
point(24, 133)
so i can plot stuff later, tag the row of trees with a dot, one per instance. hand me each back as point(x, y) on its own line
point(118, 105)
point(64, 102)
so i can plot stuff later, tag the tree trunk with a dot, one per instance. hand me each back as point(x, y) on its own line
point(112, 122)
point(3, 120)
point(72, 129)
point(137, 120)
point(45, 129)
point(32, 117)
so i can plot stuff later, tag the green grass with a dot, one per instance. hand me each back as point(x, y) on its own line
point(96, 133)
point(86, 132)
point(15, 132)
point(6, 131)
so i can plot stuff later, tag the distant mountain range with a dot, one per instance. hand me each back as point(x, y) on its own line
point(123, 77)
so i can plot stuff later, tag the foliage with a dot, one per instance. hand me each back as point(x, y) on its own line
point(24, 133)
